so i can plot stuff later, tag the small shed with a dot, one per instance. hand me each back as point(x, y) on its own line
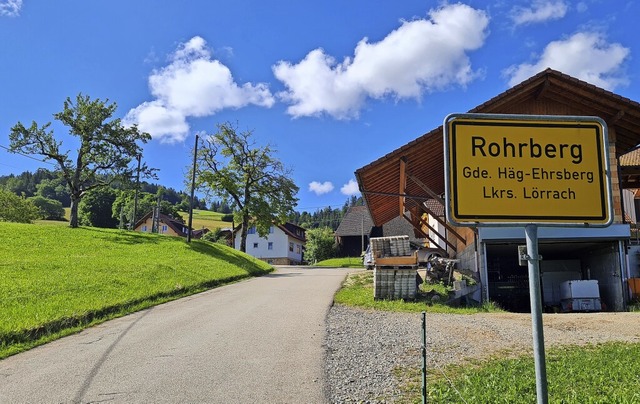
point(354, 232)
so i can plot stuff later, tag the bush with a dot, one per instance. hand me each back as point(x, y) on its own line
point(320, 245)
point(213, 236)
point(16, 209)
point(227, 218)
point(50, 209)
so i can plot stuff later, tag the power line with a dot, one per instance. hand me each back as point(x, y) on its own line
point(26, 155)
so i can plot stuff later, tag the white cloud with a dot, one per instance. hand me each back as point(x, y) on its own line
point(420, 56)
point(167, 125)
point(541, 11)
point(350, 188)
point(192, 85)
point(320, 187)
point(586, 56)
point(10, 8)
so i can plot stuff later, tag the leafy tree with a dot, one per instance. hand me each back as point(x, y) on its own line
point(324, 217)
point(26, 183)
point(320, 244)
point(54, 189)
point(50, 209)
point(95, 208)
point(124, 203)
point(214, 236)
point(106, 147)
point(14, 208)
point(231, 165)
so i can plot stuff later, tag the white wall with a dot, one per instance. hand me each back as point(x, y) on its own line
point(280, 242)
point(629, 205)
point(441, 229)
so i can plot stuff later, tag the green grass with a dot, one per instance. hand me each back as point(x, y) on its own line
point(604, 373)
point(55, 280)
point(346, 262)
point(205, 218)
point(201, 218)
point(357, 291)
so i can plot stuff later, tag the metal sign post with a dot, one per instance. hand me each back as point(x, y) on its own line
point(531, 232)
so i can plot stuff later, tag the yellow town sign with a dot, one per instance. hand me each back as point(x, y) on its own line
point(503, 169)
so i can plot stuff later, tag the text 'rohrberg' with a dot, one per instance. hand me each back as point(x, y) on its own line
point(480, 146)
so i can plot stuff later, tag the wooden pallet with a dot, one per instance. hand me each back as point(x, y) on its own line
point(403, 267)
point(409, 260)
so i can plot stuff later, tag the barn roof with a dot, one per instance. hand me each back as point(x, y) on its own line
point(549, 92)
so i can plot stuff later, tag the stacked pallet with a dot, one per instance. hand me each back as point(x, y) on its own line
point(395, 246)
point(394, 274)
point(394, 283)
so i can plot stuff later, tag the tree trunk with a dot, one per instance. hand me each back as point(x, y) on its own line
point(73, 219)
point(243, 234)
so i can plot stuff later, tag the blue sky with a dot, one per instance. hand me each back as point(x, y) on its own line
point(333, 85)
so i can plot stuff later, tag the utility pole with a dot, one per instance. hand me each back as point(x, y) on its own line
point(193, 186)
point(158, 214)
point(135, 199)
point(362, 232)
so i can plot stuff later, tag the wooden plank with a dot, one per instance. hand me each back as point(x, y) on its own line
point(389, 261)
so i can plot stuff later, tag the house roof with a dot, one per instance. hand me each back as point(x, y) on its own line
point(399, 227)
point(630, 169)
point(290, 229)
point(294, 231)
point(550, 92)
point(175, 225)
point(356, 221)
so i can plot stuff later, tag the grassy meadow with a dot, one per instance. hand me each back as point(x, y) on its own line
point(346, 262)
point(201, 218)
point(55, 280)
point(205, 218)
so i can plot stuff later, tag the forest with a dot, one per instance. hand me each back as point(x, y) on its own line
point(113, 206)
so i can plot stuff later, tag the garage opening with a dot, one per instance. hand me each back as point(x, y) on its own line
point(508, 282)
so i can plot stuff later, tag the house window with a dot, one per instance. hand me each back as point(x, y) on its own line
point(164, 228)
point(271, 229)
point(297, 248)
point(144, 228)
point(270, 245)
point(252, 230)
point(291, 247)
point(255, 245)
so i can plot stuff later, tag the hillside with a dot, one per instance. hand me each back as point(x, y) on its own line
point(206, 218)
point(55, 279)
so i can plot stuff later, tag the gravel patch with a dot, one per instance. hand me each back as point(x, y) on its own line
point(364, 347)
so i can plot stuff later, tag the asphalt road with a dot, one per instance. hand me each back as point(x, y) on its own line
point(260, 340)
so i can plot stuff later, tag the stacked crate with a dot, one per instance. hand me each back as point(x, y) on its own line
point(394, 274)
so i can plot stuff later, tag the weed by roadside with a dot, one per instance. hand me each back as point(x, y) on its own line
point(357, 290)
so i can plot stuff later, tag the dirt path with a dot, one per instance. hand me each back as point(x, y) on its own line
point(484, 335)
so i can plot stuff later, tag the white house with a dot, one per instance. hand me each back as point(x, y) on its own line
point(283, 245)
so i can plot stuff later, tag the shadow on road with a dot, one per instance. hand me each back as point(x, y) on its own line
point(100, 362)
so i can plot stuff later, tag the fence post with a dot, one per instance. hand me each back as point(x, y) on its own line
point(424, 357)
